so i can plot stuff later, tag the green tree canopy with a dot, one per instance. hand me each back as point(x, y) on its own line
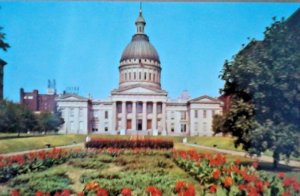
point(3, 45)
point(263, 80)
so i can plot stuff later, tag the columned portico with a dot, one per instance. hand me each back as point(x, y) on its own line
point(144, 116)
point(164, 117)
point(154, 116)
point(114, 116)
point(124, 113)
point(133, 115)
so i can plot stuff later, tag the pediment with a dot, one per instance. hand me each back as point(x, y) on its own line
point(72, 97)
point(138, 90)
point(205, 99)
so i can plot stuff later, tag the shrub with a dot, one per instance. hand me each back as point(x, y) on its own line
point(123, 143)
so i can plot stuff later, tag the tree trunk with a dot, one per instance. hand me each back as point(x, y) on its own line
point(276, 158)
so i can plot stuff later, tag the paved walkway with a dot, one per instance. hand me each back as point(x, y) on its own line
point(263, 158)
point(36, 150)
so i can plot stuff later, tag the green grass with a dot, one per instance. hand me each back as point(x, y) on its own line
point(217, 141)
point(38, 142)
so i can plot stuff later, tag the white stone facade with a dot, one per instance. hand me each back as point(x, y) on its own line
point(139, 105)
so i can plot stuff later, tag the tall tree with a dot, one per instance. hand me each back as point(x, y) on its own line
point(263, 80)
point(3, 45)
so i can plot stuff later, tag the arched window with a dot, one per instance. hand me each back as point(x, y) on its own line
point(140, 75)
point(134, 76)
point(145, 76)
point(125, 76)
point(129, 75)
point(154, 77)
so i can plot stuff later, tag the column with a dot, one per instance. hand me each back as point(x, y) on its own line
point(164, 117)
point(114, 109)
point(133, 116)
point(154, 116)
point(124, 115)
point(144, 116)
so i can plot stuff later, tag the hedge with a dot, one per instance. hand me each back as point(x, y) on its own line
point(125, 143)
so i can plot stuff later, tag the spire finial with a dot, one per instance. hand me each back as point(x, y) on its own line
point(140, 21)
point(140, 8)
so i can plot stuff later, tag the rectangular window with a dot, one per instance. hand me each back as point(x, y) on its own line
point(196, 113)
point(159, 108)
point(183, 115)
point(80, 126)
point(172, 127)
point(213, 112)
point(204, 127)
point(72, 112)
point(129, 107)
point(129, 123)
point(204, 113)
point(196, 127)
point(172, 115)
point(149, 108)
point(119, 107)
point(149, 124)
point(139, 107)
point(183, 128)
point(106, 114)
point(81, 112)
point(72, 126)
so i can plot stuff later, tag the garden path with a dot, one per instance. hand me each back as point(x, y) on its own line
point(36, 150)
point(263, 158)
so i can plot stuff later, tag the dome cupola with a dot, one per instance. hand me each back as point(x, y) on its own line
point(140, 63)
point(140, 46)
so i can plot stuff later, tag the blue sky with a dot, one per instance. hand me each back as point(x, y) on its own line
point(80, 43)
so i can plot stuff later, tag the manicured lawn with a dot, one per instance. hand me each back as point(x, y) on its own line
point(217, 141)
point(37, 142)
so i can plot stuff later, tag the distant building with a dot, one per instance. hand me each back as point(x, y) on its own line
point(139, 105)
point(2, 64)
point(40, 102)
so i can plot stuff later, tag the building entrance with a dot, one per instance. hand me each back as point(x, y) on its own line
point(139, 125)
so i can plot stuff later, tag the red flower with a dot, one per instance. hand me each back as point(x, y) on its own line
point(180, 185)
point(153, 191)
point(126, 192)
point(65, 192)
point(296, 186)
point(213, 188)
point(286, 194)
point(216, 174)
point(259, 186)
point(102, 192)
point(242, 187)
point(190, 191)
point(237, 161)
point(255, 164)
point(281, 175)
point(39, 193)
point(80, 194)
point(14, 193)
point(228, 181)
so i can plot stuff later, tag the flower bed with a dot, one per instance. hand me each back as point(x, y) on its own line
point(11, 166)
point(181, 188)
point(124, 143)
point(215, 174)
point(222, 177)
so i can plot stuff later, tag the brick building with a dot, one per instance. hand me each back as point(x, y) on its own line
point(2, 63)
point(40, 102)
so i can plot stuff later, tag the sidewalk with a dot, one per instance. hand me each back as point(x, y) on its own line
point(36, 150)
point(264, 158)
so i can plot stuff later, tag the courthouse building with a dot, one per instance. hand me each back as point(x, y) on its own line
point(139, 105)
